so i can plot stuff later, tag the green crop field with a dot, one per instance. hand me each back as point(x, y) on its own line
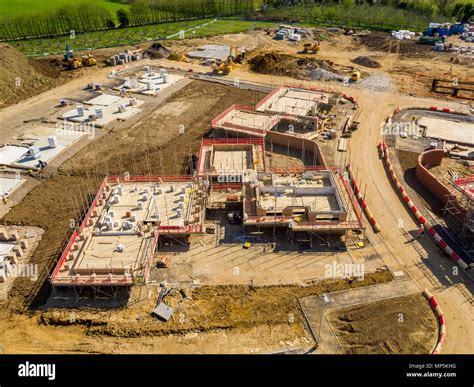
point(133, 35)
point(32, 7)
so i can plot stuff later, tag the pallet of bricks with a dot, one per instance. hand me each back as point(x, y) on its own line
point(124, 57)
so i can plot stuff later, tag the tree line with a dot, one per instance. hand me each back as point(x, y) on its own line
point(425, 7)
point(74, 17)
point(89, 16)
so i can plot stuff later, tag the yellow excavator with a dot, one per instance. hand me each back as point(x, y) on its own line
point(311, 47)
point(236, 56)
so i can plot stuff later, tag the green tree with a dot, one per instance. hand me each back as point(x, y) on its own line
point(123, 16)
point(444, 6)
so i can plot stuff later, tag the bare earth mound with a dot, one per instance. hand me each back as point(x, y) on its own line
point(274, 63)
point(395, 326)
point(366, 62)
point(21, 77)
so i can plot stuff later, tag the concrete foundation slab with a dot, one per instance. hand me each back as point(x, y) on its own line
point(211, 51)
point(10, 153)
point(64, 139)
point(8, 185)
point(452, 131)
point(104, 100)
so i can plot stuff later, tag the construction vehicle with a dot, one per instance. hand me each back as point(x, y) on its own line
point(232, 61)
point(235, 56)
point(71, 61)
point(311, 47)
point(355, 76)
point(88, 60)
point(177, 57)
point(223, 67)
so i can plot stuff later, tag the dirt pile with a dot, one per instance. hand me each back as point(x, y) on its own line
point(395, 326)
point(274, 63)
point(366, 62)
point(21, 77)
point(157, 51)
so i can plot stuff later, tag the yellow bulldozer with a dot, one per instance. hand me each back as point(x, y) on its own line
point(224, 67)
point(73, 63)
point(88, 60)
point(311, 48)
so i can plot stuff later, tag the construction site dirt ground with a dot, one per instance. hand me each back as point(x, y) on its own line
point(402, 325)
point(137, 149)
point(411, 71)
point(249, 319)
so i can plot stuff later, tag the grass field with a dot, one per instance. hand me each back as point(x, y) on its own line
point(118, 37)
point(32, 7)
